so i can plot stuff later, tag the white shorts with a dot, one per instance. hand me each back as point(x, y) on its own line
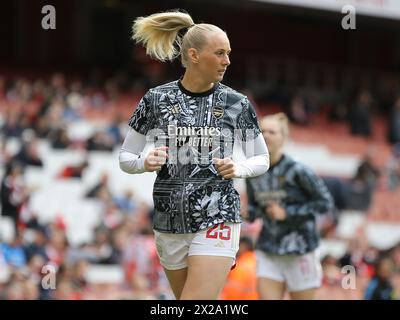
point(219, 240)
point(298, 272)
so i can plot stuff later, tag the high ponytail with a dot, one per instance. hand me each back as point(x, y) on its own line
point(159, 33)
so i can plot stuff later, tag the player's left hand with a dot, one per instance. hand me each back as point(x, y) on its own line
point(225, 167)
point(275, 211)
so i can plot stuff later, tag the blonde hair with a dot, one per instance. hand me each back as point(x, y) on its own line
point(159, 33)
point(283, 121)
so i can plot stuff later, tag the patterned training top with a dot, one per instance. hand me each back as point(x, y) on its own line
point(188, 193)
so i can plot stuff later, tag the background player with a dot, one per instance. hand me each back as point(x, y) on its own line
point(288, 197)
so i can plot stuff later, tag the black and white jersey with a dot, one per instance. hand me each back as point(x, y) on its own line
point(301, 193)
point(188, 193)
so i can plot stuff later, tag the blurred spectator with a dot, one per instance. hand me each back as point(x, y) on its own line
point(3, 263)
point(84, 251)
point(14, 290)
point(39, 90)
point(57, 245)
point(58, 84)
point(78, 279)
point(338, 190)
point(141, 264)
point(395, 254)
point(361, 189)
point(13, 252)
point(65, 290)
point(105, 252)
point(29, 153)
point(332, 275)
point(55, 111)
point(33, 223)
point(111, 89)
point(4, 154)
point(74, 171)
point(35, 265)
point(241, 283)
point(75, 102)
point(355, 255)
point(101, 186)
point(71, 282)
point(13, 192)
point(298, 110)
point(369, 169)
point(59, 139)
point(100, 141)
point(13, 125)
point(112, 215)
point(2, 88)
point(119, 240)
point(31, 290)
point(37, 248)
point(42, 127)
point(380, 286)
point(126, 202)
point(338, 112)
point(394, 122)
point(114, 131)
point(393, 169)
point(360, 115)
point(333, 282)
point(21, 286)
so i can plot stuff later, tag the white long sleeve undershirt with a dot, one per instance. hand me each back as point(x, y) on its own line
point(131, 157)
point(257, 158)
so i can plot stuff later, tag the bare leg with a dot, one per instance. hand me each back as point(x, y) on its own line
point(269, 289)
point(177, 279)
point(308, 294)
point(206, 277)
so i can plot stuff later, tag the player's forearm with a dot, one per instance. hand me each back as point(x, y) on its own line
point(253, 166)
point(257, 158)
point(130, 162)
point(315, 207)
point(131, 159)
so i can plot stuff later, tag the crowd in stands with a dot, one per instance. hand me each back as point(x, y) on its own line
point(352, 95)
point(35, 110)
point(38, 110)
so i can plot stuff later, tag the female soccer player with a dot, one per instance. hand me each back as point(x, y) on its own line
point(193, 123)
point(288, 197)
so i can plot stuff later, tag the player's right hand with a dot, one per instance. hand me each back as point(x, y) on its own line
point(156, 159)
point(275, 211)
point(225, 167)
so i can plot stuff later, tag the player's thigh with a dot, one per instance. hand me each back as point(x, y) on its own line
point(173, 250)
point(270, 278)
point(303, 275)
point(308, 294)
point(176, 279)
point(211, 256)
point(269, 289)
point(206, 277)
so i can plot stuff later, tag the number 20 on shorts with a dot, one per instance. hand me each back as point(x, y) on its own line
point(219, 231)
